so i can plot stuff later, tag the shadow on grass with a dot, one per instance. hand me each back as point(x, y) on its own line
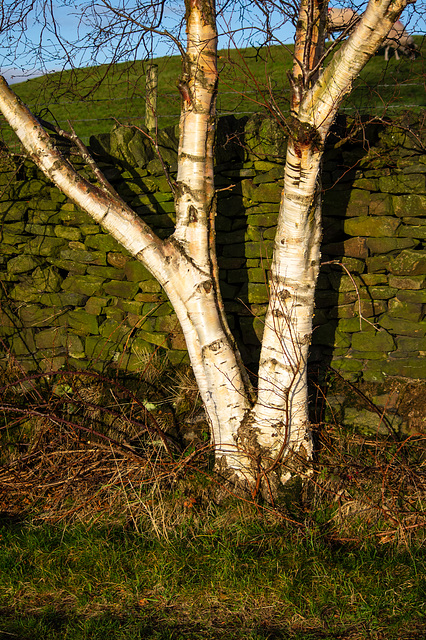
point(40, 626)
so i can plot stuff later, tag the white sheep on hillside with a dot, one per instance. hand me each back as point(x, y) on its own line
point(398, 38)
point(341, 20)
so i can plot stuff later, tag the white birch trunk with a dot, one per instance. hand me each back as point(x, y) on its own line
point(185, 263)
point(280, 416)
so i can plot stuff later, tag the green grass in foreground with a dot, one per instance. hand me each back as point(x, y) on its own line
point(228, 572)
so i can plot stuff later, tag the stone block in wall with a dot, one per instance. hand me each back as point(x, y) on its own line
point(22, 343)
point(369, 308)
point(352, 247)
point(80, 254)
point(231, 263)
point(414, 368)
point(154, 308)
point(69, 233)
point(373, 279)
point(406, 310)
point(52, 338)
point(330, 335)
point(377, 264)
point(403, 183)
point(32, 315)
point(167, 324)
point(52, 362)
point(149, 298)
point(133, 307)
point(379, 292)
point(73, 216)
point(233, 237)
point(257, 293)
point(380, 341)
point(154, 338)
point(407, 295)
point(23, 263)
point(368, 355)
point(25, 292)
point(44, 217)
point(347, 364)
point(251, 336)
point(417, 231)
point(264, 139)
point(256, 274)
point(115, 313)
point(252, 233)
point(406, 282)
point(118, 260)
point(82, 323)
point(135, 320)
point(398, 326)
point(40, 229)
point(254, 249)
point(177, 341)
point(86, 285)
point(177, 357)
point(153, 201)
point(12, 211)
point(89, 229)
point(380, 204)
point(340, 311)
point(9, 236)
point(408, 263)
point(372, 372)
point(355, 325)
point(46, 279)
point(115, 331)
point(106, 272)
point(29, 188)
point(386, 245)
point(79, 268)
point(369, 423)
point(368, 184)
point(266, 220)
point(98, 347)
point(358, 203)
point(266, 192)
point(121, 289)
point(43, 246)
point(102, 242)
point(330, 298)
point(408, 345)
point(74, 346)
point(376, 226)
point(413, 205)
point(7, 318)
point(136, 272)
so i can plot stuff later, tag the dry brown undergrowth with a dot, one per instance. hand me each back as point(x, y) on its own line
point(76, 447)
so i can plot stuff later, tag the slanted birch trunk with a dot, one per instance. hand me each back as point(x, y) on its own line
point(259, 443)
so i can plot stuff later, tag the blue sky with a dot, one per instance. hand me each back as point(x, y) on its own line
point(17, 65)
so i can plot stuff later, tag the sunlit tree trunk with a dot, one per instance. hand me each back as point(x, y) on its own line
point(258, 444)
point(280, 416)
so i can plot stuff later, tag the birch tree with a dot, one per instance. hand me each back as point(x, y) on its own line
point(261, 436)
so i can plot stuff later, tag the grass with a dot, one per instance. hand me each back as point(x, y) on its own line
point(93, 99)
point(254, 577)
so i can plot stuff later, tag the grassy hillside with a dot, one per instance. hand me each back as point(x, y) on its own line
point(92, 99)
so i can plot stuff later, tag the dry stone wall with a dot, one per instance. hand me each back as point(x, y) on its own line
point(72, 297)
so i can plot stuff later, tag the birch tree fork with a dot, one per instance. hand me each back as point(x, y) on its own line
point(259, 444)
